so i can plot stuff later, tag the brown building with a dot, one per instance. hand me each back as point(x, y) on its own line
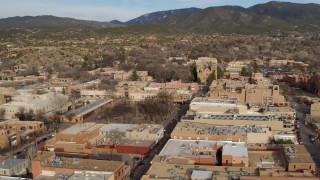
point(175, 86)
point(14, 133)
point(6, 94)
point(46, 163)
point(74, 89)
point(205, 67)
point(203, 152)
point(259, 93)
point(270, 121)
point(235, 155)
point(79, 115)
point(60, 80)
point(297, 158)
point(250, 134)
point(92, 139)
point(128, 146)
point(263, 165)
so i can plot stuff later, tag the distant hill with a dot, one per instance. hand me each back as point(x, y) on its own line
point(50, 22)
point(270, 16)
point(117, 22)
point(160, 15)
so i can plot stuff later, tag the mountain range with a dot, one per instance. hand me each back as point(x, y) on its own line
point(271, 16)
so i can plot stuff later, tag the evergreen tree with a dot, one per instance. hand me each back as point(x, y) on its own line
point(220, 72)
point(193, 69)
point(211, 77)
point(134, 76)
point(245, 72)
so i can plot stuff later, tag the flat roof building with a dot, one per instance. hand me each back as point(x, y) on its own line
point(298, 158)
point(80, 114)
point(13, 133)
point(92, 138)
point(250, 134)
point(33, 102)
point(49, 164)
point(272, 121)
point(203, 152)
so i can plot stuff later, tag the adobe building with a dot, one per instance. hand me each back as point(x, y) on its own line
point(13, 133)
point(6, 94)
point(315, 111)
point(250, 134)
point(48, 164)
point(236, 66)
point(91, 139)
point(175, 86)
point(217, 106)
point(74, 89)
point(79, 115)
point(271, 121)
point(234, 154)
point(60, 84)
point(263, 165)
point(137, 91)
point(75, 139)
point(205, 67)
point(34, 102)
point(203, 152)
point(125, 76)
point(297, 158)
point(261, 93)
point(61, 80)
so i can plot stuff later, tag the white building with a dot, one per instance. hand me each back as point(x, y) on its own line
point(33, 102)
point(13, 167)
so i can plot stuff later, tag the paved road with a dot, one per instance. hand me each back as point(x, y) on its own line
point(169, 126)
point(305, 131)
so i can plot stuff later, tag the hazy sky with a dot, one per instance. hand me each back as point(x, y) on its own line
point(106, 10)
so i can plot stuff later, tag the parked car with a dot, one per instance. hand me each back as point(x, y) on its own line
point(312, 138)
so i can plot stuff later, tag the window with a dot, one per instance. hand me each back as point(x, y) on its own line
point(294, 166)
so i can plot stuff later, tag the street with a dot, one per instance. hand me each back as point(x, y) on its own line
point(305, 131)
point(169, 125)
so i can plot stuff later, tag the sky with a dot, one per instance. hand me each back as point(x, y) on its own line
point(106, 10)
